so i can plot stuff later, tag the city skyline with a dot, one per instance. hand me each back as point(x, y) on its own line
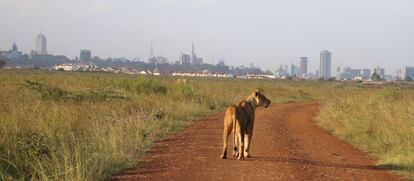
point(325, 62)
point(266, 33)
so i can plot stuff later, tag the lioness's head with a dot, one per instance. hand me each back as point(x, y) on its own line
point(261, 100)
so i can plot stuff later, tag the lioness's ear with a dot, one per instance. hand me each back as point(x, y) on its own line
point(257, 93)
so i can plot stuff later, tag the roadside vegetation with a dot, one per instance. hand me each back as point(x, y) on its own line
point(87, 126)
point(379, 121)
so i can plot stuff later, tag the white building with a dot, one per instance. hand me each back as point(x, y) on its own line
point(65, 67)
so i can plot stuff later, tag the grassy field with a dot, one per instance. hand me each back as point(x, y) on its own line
point(379, 121)
point(86, 126)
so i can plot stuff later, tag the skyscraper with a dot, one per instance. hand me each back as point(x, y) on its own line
point(303, 66)
point(40, 44)
point(325, 64)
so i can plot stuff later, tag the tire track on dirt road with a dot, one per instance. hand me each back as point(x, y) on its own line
point(287, 145)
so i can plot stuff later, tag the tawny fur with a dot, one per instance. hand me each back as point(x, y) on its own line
point(239, 118)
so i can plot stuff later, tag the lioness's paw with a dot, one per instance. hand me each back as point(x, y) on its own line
point(246, 155)
point(235, 154)
point(223, 157)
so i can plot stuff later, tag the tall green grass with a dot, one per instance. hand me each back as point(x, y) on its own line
point(87, 126)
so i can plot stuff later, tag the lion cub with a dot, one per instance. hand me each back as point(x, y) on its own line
point(240, 119)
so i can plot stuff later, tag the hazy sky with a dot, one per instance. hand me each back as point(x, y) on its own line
point(360, 33)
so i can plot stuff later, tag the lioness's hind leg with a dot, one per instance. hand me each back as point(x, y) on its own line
point(240, 135)
point(226, 133)
point(235, 152)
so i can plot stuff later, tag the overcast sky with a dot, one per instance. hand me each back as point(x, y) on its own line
point(359, 33)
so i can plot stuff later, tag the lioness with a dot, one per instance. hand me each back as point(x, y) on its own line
point(241, 117)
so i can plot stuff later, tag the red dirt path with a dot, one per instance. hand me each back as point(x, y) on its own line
point(287, 145)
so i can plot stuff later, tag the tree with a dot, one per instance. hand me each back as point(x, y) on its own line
point(408, 78)
point(375, 77)
point(2, 63)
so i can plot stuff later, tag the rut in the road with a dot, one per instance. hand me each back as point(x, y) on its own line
point(286, 145)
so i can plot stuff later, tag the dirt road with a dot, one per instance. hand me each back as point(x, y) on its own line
point(287, 145)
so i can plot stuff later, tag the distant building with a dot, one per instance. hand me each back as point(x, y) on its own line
point(85, 55)
point(398, 74)
point(221, 63)
point(185, 59)
point(75, 67)
point(14, 47)
point(325, 64)
point(156, 70)
point(354, 74)
point(151, 58)
point(380, 71)
point(40, 44)
point(194, 59)
point(303, 67)
point(12, 54)
point(281, 72)
point(157, 59)
point(407, 73)
point(366, 74)
point(64, 67)
point(48, 58)
point(294, 70)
